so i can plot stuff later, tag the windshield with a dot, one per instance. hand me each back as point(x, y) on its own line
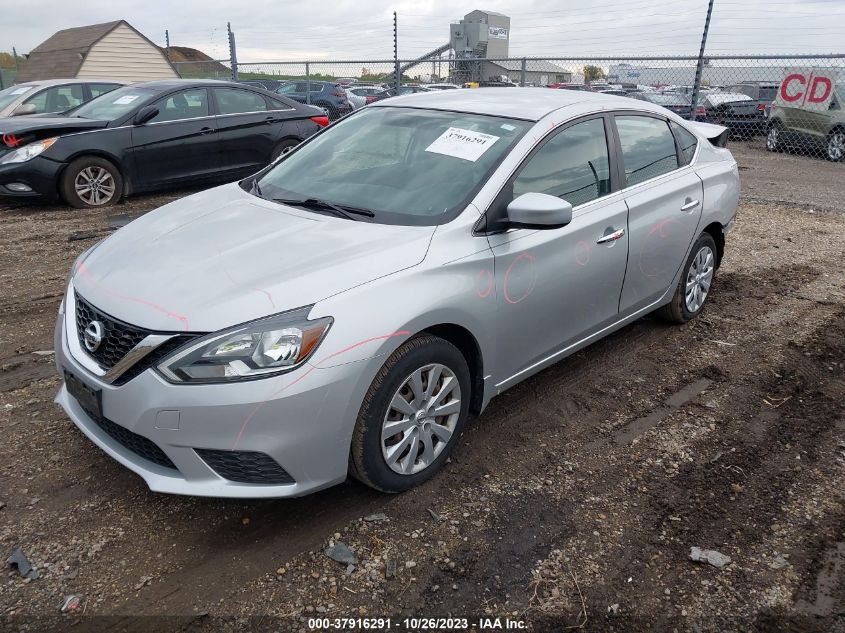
point(408, 166)
point(114, 104)
point(11, 94)
point(668, 99)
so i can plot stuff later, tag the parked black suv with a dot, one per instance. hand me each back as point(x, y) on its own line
point(324, 94)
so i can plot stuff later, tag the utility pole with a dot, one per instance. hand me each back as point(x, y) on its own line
point(15, 55)
point(395, 53)
point(233, 54)
point(700, 67)
point(167, 44)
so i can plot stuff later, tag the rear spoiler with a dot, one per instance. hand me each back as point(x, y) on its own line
point(716, 134)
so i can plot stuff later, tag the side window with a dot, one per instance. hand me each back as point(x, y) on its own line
point(57, 98)
point(288, 88)
point(648, 147)
point(188, 104)
point(686, 140)
point(573, 165)
point(278, 105)
point(234, 101)
point(101, 89)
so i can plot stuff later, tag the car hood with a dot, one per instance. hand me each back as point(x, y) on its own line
point(223, 257)
point(20, 125)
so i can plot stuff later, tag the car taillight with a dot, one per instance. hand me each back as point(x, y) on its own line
point(370, 99)
point(322, 121)
point(337, 94)
point(701, 111)
point(761, 107)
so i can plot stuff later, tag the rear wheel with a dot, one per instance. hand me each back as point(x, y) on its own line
point(412, 415)
point(836, 145)
point(90, 182)
point(283, 148)
point(774, 142)
point(696, 280)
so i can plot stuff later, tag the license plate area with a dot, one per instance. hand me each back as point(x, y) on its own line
point(90, 399)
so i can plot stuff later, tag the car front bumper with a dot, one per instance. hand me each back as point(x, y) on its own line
point(40, 174)
point(302, 420)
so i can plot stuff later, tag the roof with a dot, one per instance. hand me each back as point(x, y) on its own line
point(62, 54)
point(535, 65)
point(519, 103)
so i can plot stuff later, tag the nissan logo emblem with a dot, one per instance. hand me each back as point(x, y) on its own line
point(93, 336)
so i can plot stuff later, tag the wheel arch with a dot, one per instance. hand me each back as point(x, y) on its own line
point(98, 153)
point(717, 232)
point(466, 342)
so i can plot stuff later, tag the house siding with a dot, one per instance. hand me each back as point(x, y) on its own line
point(125, 55)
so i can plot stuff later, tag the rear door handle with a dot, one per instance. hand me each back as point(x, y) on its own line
point(611, 237)
point(690, 204)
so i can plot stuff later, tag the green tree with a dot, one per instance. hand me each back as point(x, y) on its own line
point(592, 73)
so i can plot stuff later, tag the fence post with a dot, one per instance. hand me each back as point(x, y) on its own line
point(308, 83)
point(699, 67)
point(396, 79)
point(233, 53)
point(523, 74)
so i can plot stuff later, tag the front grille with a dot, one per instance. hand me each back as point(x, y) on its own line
point(119, 338)
point(138, 444)
point(247, 467)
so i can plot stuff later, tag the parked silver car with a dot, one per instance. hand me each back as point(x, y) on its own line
point(349, 307)
point(51, 96)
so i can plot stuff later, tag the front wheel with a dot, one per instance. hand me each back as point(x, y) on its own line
point(773, 140)
point(91, 182)
point(836, 145)
point(412, 415)
point(696, 280)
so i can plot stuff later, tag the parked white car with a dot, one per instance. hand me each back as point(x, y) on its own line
point(357, 95)
point(52, 96)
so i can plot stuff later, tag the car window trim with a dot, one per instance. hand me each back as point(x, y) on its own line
point(653, 115)
point(613, 152)
point(266, 99)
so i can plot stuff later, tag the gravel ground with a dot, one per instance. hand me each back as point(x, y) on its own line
point(574, 501)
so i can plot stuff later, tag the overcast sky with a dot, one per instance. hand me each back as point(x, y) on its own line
point(362, 29)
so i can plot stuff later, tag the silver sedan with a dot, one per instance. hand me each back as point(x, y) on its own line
point(349, 308)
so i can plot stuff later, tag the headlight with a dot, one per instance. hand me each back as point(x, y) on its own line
point(28, 152)
point(268, 347)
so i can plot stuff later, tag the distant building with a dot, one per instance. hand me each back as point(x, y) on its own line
point(486, 35)
point(685, 75)
point(114, 50)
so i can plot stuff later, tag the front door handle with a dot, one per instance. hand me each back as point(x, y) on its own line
point(611, 237)
point(206, 130)
point(690, 204)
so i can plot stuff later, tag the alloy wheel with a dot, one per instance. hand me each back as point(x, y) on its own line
point(836, 146)
point(772, 138)
point(421, 419)
point(699, 278)
point(94, 185)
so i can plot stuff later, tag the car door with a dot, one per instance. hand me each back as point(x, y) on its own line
point(179, 143)
point(664, 207)
point(557, 286)
point(247, 127)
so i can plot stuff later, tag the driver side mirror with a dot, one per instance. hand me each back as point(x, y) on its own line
point(539, 211)
point(24, 109)
point(146, 114)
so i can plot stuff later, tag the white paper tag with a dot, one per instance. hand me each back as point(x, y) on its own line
point(21, 90)
point(125, 100)
point(461, 143)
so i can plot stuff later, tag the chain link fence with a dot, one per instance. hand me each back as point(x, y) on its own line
point(781, 103)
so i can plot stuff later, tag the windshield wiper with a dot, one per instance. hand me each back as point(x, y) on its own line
point(341, 210)
point(255, 189)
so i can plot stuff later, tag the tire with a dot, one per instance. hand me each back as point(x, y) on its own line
point(426, 436)
point(774, 142)
point(86, 171)
point(685, 307)
point(283, 147)
point(835, 145)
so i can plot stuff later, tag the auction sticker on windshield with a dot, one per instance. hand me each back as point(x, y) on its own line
point(125, 99)
point(461, 143)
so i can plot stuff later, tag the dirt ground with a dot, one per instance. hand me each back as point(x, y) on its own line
point(572, 503)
